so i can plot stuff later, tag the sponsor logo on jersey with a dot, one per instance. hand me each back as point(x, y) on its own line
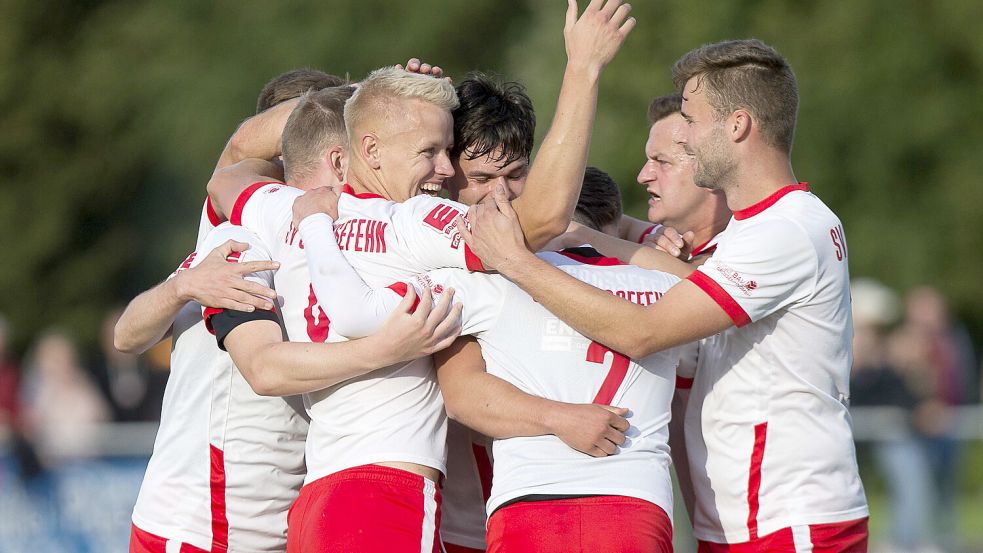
point(441, 220)
point(744, 285)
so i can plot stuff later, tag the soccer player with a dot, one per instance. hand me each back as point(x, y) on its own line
point(780, 466)
point(228, 463)
point(494, 128)
point(546, 496)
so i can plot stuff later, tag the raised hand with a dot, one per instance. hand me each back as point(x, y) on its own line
point(323, 199)
point(594, 38)
point(596, 430)
point(216, 282)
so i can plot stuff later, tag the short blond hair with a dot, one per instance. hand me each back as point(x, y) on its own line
point(316, 124)
point(379, 91)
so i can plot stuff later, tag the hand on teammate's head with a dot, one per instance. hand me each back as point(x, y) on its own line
point(414, 65)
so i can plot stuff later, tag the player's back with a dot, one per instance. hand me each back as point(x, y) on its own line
point(526, 345)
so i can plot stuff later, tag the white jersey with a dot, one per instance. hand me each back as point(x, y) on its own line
point(227, 463)
point(391, 414)
point(768, 433)
point(209, 220)
point(526, 345)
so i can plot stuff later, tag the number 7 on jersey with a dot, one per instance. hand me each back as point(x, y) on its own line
point(616, 375)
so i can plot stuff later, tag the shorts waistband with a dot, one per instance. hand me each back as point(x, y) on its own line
point(375, 473)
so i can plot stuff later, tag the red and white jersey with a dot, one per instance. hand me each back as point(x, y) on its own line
point(209, 220)
point(528, 346)
point(768, 434)
point(394, 413)
point(227, 463)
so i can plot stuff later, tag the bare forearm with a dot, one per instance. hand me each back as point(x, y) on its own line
point(554, 182)
point(289, 368)
point(148, 317)
point(591, 311)
point(259, 136)
point(635, 254)
point(496, 408)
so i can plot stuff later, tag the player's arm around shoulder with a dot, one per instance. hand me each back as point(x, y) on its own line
point(208, 280)
point(275, 367)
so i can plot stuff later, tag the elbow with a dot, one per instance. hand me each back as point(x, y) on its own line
point(125, 343)
point(263, 382)
point(541, 235)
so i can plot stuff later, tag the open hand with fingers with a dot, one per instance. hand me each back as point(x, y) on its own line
point(596, 430)
point(220, 283)
point(420, 331)
point(323, 199)
point(594, 38)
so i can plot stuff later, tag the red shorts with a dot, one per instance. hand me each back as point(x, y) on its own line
point(837, 537)
point(588, 524)
point(145, 542)
point(366, 508)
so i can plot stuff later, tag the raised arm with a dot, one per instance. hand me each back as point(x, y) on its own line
point(634, 253)
point(215, 283)
point(553, 185)
point(498, 409)
point(248, 156)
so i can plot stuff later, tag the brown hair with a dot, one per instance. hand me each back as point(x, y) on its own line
point(599, 204)
point(292, 84)
point(745, 74)
point(316, 124)
point(493, 114)
point(664, 106)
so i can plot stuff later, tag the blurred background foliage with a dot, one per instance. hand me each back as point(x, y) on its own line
point(113, 113)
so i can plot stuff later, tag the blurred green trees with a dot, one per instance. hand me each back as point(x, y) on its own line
point(114, 112)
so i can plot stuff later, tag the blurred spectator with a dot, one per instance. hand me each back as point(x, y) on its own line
point(9, 383)
point(61, 405)
point(898, 453)
point(134, 384)
point(936, 353)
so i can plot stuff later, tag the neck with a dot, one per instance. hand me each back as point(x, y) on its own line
point(306, 182)
point(753, 182)
point(363, 179)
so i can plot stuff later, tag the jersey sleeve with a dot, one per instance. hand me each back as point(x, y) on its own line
point(760, 269)
point(266, 209)
point(481, 295)
point(354, 309)
point(426, 225)
point(257, 252)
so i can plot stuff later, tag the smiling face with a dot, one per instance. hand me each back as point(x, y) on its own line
point(414, 148)
point(705, 138)
point(668, 174)
point(474, 179)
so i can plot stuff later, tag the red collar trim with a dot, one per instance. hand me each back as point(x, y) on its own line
point(706, 247)
point(764, 204)
point(347, 189)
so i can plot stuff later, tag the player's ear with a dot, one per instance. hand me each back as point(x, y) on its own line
point(336, 160)
point(369, 149)
point(739, 125)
